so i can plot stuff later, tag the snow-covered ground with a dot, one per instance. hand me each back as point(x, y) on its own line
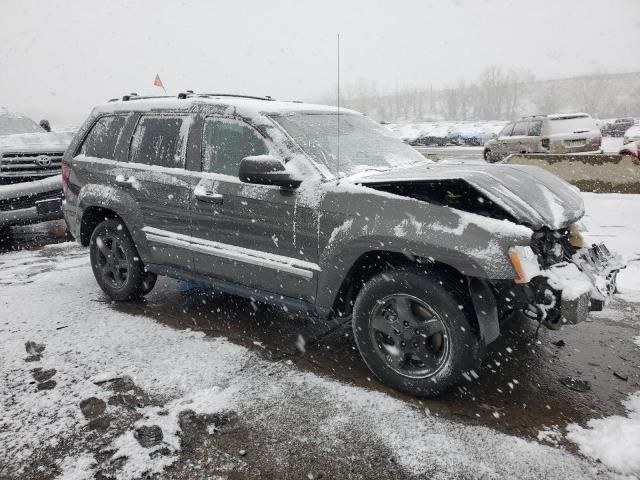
point(614, 219)
point(64, 347)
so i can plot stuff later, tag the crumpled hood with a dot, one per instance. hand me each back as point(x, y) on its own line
point(28, 142)
point(533, 196)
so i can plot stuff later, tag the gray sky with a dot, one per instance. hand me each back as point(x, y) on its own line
point(58, 59)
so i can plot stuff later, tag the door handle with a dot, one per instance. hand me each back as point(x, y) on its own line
point(210, 197)
point(128, 183)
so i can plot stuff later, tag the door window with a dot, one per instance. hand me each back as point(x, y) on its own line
point(103, 137)
point(506, 131)
point(521, 129)
point(226, 142)
point(160, 140)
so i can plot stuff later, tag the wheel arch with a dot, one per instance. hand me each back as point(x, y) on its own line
point(475, 294)
point(92, 216)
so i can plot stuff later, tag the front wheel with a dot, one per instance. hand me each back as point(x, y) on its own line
point(116, 263)
point(414, 334)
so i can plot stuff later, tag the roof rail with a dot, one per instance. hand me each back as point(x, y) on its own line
point(190, 93)
point(135, 96)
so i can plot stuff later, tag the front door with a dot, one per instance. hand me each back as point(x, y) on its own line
point(156, 178)
point(255, 235)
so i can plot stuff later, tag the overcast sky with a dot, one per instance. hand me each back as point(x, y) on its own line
point(58, 59)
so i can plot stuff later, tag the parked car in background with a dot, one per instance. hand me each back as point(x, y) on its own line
point(435, 134)
point(475, 134)
point(632, 134)
point(30, 168)
point(632, 149)
point(561, 133)
point(619, 126)
point(250, 196)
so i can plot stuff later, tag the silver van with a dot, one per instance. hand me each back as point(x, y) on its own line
point(560, 133)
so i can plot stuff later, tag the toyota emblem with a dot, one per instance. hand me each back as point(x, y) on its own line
point(43, 160)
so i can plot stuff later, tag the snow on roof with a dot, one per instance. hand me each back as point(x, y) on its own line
point(563, 116)
point(243, 104)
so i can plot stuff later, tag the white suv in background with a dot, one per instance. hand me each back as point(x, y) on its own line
point(560, 133)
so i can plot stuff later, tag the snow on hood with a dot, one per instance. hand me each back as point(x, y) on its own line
point(533, 196)
point(45, 141)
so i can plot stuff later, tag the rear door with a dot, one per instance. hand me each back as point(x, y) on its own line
point(501, 146)
point(155, 177)
point(534, 140)
point(518, 142)
point(255, 235)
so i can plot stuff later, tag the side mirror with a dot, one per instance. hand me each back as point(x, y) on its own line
point(45, 125)
point(266, 170)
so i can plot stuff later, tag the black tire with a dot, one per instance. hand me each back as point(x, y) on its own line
point(5, 233)
point(116, 263)
point(434, 361)
point(488, 156)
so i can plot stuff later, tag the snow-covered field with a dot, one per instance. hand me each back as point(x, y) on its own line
point(64, 351)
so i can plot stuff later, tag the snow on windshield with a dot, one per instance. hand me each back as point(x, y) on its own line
point(11, 124)
point(364, 145)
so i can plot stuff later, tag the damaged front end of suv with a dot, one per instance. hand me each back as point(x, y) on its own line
point(558, 278)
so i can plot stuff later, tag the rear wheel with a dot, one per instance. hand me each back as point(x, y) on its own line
point(413, 333)
point(488, 156)
point(116, 263)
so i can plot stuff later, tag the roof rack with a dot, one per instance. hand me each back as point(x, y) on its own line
point(190, 93)
point(135, 96)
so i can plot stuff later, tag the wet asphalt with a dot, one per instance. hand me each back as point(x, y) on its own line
point(531, 379)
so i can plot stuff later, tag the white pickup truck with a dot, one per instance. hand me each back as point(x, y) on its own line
point(30, 171)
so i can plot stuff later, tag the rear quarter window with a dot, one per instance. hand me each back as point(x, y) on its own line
point(535, 128)
point(103, 137)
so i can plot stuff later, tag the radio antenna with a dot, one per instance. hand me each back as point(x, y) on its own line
point(338, 160)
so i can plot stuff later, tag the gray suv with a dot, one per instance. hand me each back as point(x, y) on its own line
point(324, 212)
point(562, 133)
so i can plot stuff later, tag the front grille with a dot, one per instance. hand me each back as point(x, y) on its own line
point(27, 201)
point(31, 164)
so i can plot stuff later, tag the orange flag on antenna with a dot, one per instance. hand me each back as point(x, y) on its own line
point(157, 82)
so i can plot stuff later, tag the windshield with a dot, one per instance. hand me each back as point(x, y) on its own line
point(11, 124)
point(364, 144)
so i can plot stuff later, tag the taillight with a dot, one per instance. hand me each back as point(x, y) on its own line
point(66, 172)
point(545, 143)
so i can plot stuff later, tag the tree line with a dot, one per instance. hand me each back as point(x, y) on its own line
point(496, 94)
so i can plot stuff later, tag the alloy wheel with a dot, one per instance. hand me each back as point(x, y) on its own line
point(409, 336)
point(112, 260)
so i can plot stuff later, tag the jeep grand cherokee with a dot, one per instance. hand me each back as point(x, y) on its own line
point(322, 210)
